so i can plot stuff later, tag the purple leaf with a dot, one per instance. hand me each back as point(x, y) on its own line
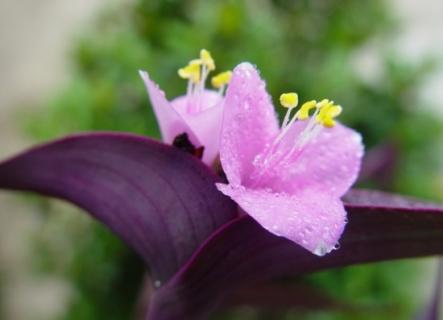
point(159, 200)
point(277, 296)
point(164, 204)
point(380, 227)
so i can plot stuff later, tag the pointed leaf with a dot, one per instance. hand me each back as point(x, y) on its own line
point(161, 201)
point(380, 227)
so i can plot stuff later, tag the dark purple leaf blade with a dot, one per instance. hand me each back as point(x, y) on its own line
point(278, 296)
point(381, 227)
point(161, 201)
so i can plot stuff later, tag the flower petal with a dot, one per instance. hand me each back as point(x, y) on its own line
point(249, 122)
point(314, 221)
point(206, 124)
point(171, 123)
point(330, 163)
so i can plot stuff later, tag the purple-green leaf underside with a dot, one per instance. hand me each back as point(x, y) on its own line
point(159, 200)
point(163, 203)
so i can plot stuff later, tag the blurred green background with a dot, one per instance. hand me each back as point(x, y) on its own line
point(311, 47)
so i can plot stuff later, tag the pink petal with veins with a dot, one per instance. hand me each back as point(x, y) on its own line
point(313, 220)
point(329, 163)
point(249, 122)
point(171, 123)
point(206, 124)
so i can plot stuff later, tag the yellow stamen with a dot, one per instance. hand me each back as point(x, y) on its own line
point(329, 123)
point(303, 113)
point(289, 100)
point(327, 114)
point(206, 59)
point(191, 71)
point(221, 79)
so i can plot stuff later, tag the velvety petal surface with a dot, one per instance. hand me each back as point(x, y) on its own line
point(206, 124)
point(161, 201)
point(170, 121)
point(242, 252)
point(249, 122)
point(312, 220)
point(329, 163)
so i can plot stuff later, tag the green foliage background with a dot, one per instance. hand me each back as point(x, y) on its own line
point(304, 46)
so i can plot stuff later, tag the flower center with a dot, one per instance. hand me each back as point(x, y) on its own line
point(318, 115)
point(196, 72)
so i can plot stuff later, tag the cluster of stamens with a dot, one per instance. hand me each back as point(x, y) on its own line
point(325, 110)
point(197, 71)
point(319, 114)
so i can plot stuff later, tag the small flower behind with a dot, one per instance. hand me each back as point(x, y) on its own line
point(289, 178)
point(198, 114)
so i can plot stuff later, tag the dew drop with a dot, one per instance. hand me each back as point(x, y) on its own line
point(321, 249)
point(356, 138)
point(308, 230)
point(157, 283)
point(268, 190)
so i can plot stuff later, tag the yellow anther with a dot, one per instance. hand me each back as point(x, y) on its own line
point(289, 100)
point(303, 113)
point(334, 111)
point(191, 71)
point(324, 103)
point(329, 123)
point(206, 59)
point(196, 62)
point(221, 79)
point(327, 114)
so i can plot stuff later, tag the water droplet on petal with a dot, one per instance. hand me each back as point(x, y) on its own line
point(321, 249)
point(308, 229)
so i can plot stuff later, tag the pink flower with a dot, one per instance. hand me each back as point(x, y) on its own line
point(198, 113)
point(289, 179)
